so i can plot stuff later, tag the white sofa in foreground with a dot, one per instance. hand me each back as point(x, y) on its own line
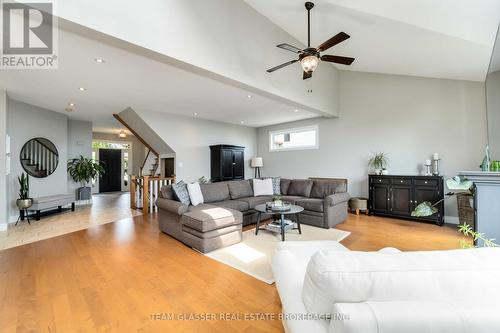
point(324, 287)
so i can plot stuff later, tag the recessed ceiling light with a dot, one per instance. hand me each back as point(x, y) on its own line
point(68, 110)
point(295, 110)
point(242, 122)
point(122, 134)
point(72, 104)
point(249, 96)
point(99, 60)
point(82, 89)
point(196, 113)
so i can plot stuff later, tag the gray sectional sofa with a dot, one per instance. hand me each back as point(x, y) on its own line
point(230, 205)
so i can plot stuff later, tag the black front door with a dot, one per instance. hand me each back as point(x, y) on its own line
point(110, 181)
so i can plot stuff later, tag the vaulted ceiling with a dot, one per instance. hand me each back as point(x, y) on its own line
point(450, 39)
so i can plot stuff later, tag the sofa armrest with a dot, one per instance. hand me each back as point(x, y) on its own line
point(172, 206)
point(337, 198)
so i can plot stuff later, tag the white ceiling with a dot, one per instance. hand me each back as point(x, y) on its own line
point(451, 39)
point(128, 79)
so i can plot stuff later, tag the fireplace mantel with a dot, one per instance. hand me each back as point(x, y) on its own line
point(482, 177)
point(486, 201)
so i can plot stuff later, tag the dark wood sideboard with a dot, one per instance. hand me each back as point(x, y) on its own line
point(398, 195)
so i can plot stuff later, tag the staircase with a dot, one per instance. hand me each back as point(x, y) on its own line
point(38, 158)
point(150, 164)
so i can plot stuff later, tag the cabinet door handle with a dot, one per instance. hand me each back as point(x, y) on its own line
point(388, 199)
point(401, 181)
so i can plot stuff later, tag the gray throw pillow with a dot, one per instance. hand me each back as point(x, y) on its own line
point(167, 192)
point(181, 192)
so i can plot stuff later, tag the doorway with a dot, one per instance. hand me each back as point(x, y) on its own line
point(110, 181)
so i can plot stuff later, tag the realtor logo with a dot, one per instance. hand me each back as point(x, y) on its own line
point(28, 35)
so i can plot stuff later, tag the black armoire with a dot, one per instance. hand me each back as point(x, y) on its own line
point(227, 162)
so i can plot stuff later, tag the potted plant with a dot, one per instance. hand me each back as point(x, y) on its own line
point(82, 170)
point(277, 200)
point(378, 163)
point(24, 201)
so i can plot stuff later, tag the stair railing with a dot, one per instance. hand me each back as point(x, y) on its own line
point(145, 190)
point(40, 156)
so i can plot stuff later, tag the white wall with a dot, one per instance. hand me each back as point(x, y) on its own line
point(79, 143)
point(224, 39)
point(190, 139)
point(3, 174)
point(493, 101)
point(26, 122)
point(407, 117)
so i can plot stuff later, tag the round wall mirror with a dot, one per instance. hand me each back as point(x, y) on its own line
point(39, 157)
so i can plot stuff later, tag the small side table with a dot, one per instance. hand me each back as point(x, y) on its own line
point(358, 204)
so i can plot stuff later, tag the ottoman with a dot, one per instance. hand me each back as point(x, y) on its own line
point(357, 204)
point(211, 228)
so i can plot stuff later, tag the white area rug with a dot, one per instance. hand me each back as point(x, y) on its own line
point(253, 255)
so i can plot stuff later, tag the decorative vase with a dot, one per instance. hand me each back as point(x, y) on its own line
point(377, 171)
point(385, 172)
point(23, 204)
point(485, 165)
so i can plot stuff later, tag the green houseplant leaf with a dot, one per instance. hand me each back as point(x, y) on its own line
point(82, 170)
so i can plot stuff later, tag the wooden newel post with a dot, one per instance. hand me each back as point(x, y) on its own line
point(133, 189)
point(145, 195)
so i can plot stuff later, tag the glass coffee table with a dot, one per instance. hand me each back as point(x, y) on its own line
point(262, 209)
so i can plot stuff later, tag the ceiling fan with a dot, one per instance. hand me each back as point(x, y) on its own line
point(310, 56)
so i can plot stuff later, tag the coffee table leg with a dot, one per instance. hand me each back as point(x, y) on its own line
point(282, 227)
point(258, 224)
point(298, 224)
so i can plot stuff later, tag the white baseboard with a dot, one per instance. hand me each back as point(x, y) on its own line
point(451, 220)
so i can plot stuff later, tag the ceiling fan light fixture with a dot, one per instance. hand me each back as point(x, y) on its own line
point(309, 63)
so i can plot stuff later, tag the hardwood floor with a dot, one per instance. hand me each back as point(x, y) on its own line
point(106, 208)
point(113, 277)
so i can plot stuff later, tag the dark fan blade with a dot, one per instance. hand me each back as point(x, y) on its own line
point(281, 66)
point(337, 59)
point(289, 47)
point(338, 38)
point(306, 75)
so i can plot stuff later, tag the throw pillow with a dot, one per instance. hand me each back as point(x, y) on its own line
point(167, 192)
point(262, 187)
point(276, 185)
point(181, 192)
point(195, 193)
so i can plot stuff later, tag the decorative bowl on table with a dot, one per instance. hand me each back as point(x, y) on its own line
point(281, 206)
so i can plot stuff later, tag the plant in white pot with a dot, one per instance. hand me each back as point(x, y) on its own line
point(24, 201)
point(82, 170)
point(378, 163)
